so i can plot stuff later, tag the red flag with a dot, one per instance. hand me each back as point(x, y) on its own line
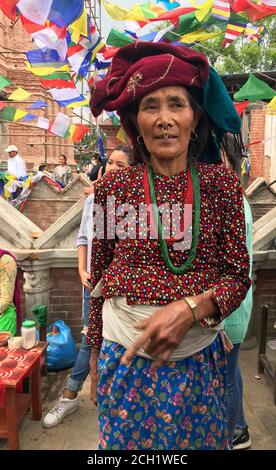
point(253, 11)
point(79, 133)
point(240, 107)
point(8, 7)
point(174, 14)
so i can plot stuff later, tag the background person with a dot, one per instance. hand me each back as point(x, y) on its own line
point(16, 164)
point(120, 157)
point(62, 172)
point(236, 325)
point(157, 300)
point(10, 311)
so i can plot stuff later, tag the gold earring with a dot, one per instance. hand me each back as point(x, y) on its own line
point(193, 135)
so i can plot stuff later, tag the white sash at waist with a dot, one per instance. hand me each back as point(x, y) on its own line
point(118, 320)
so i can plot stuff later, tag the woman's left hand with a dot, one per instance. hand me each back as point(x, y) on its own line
point(163, 332)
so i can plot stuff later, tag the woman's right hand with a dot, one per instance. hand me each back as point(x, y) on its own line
point(85, 278)
point(94, 376)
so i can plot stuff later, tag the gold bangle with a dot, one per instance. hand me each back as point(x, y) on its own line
point(193, 307)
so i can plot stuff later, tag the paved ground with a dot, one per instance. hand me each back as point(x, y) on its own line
point(79, 430)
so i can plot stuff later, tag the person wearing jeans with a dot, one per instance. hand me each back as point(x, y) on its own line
point(69, 401)
point(235, 327)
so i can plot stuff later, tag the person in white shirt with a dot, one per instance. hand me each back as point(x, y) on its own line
point(16, 164)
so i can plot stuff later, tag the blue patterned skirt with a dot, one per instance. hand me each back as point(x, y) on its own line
point(181, 405)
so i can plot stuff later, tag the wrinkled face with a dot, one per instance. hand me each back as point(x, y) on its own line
point(61, 160)
point(167, 108)
point(117, 161)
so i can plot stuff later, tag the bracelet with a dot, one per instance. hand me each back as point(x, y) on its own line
point(193, 307)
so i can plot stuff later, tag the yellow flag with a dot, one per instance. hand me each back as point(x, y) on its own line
point(96, 50)
point(114, 11)
point(79, 27)
point(72, 130)
point(135, 14)
point(121, 135)
point(203, 10)
point(42, 71)
point(19, 95)
point(77, 104)
point(19, 114)
point(271, 107)
point(198, 36)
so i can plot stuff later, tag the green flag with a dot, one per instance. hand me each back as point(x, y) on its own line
point(254, 89)
point(7, 114)
point(3, 82)
point(118, 39)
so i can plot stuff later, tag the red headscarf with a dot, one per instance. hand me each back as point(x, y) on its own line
point(16, 294)
point(141, 68)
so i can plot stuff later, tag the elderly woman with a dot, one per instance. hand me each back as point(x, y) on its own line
point(153, 323)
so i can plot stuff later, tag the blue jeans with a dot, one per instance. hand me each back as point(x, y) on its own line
point(235, 392)
point(81, 367)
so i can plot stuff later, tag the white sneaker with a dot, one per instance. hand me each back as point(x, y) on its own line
point(62, 408)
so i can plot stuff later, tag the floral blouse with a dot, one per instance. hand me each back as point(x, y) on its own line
point(134, 268)
point(8, 271)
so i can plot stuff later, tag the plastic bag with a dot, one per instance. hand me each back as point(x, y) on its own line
point(61, 349)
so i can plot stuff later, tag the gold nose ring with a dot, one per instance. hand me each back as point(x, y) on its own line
point(166, 132)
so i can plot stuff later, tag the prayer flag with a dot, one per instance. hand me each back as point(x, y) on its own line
point(45, 57)
point(41, 71)
point(4, 82)
point(19, 114)
point(121, 135)
point(79, 27)
point(43, 123)
point(7, 114)
point(78, 132)
point(29, 117)
point(8, 7)
point(63, 12)
point(60, 125)
point(36, 11)
point(118, 39)
point(61, 94)
point(38, 104)
point(254, 89)
point(19, 95)
point(271, 107)
point(240, 107)
point(115, 11)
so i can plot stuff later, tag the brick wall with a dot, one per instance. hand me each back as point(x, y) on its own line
point(258, 210)
point(66, 298)
point(35, 145)
point(45, 213)
point(257, 132)
point(265, 294)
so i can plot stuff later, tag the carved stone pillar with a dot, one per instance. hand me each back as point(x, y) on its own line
point(37, 284)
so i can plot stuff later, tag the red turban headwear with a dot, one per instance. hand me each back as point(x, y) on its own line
point(141, 68)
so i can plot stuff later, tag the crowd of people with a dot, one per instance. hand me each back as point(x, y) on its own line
point(167, 293)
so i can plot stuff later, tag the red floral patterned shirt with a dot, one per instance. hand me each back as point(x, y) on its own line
point(134, 268)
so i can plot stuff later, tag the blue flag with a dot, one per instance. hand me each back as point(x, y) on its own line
point(63, 13)
point(38, 104)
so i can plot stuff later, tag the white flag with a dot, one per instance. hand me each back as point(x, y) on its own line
point(43, 123)
point(60, 125)
point(36, 11)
